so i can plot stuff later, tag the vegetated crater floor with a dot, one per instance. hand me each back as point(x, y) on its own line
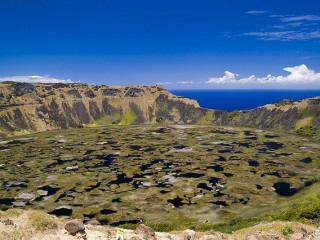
point(175, 173)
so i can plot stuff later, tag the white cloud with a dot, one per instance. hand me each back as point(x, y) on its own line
point(163, 83)
point(285, 35)
point(298, 75)
point(301, 18)
point(35, 79)
point(185, 82)
point(256, 12)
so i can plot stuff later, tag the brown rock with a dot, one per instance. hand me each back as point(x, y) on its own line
point(188, 235)
point(296, 236)
point(6, 221)
point(145, 232)
point(74, 226)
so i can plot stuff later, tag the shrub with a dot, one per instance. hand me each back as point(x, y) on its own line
point(162, 226)
point(41, 221)
point(130, 226)
point(231, 116)
point(286, 230)
point(307, 130)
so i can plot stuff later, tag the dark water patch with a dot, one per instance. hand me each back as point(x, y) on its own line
point(107, 160)
point(164, 191)
point(6, 201)
point(224, 151)
point(146, 166)
point(244, 144)
point(49, 189)
point(204, 186)
point(58, 162)
point(273, 145)
point(219, 194)
point(62, 211)
point(259, 186)
point(89, 215)
point(92, 187)
point(244, 200)
point(221, 203)
point(254, 172)
point(306, 160)
point(177, 202)
point(119, 200)
point(209, 150)
point(282, 154)
point(277, 174)
point(216, 168)
point(121, 178)
point(180, 147)
point(135, 147)
point(228, 174)
point(191, 175)
point(163, 130)
point(222, 159)
point(214, 181)
point(251, 138)
point(253, 163)
point(308, 183)
point(248, 133)
point(270, 136)
point(284, 189)
point(123, 222)
point(107, 211)
point(262, 150)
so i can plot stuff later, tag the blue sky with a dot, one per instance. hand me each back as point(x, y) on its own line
point(180, 44)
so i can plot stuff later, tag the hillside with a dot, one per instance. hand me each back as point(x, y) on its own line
point(27, 108)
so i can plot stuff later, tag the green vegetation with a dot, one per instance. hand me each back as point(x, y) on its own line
point(307, 130)
point(233, 115)
point(8, 82)
point(207, 119)
point(128, 118)
point(162, 226)
point(286, 230)
point(163, 174)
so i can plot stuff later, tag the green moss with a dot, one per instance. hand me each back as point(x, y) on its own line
point(128, 118)
point(207, 119)
point(109, 119)
point(233, 115)
point(285, 230)
point(307, 130)
point(273, 120)
point(163, 226)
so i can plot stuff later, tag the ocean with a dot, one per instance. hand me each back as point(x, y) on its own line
point(232, 100)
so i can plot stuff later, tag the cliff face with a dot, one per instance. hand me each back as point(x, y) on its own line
point(302, 117)
point(26, 108)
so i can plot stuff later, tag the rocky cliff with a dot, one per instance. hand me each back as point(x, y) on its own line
point(26, 108)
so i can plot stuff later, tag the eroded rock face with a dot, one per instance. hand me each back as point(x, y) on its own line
point(134, 92)
point(23, 88)
point(74, 93)
point(111, 92)
point(75, 226)
point(145, 232)
point(6, 221)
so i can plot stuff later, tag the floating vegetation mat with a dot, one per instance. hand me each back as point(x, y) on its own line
point(172, 173)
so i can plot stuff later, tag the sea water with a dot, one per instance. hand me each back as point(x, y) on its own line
point(232, 100)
